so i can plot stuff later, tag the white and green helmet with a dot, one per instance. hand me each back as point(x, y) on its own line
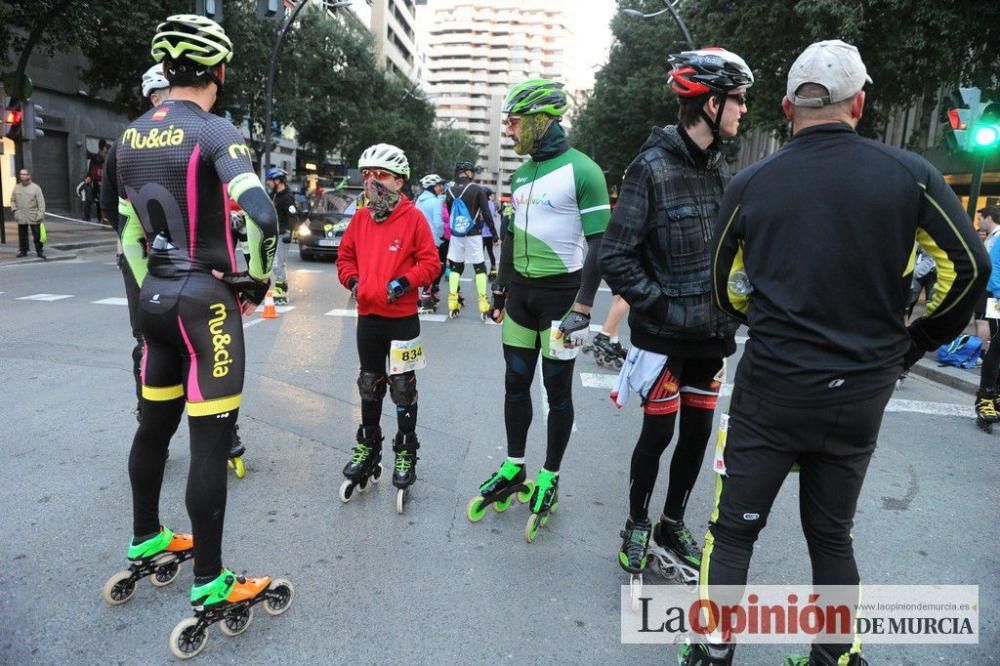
point(430, 180)
point(191, 37)
point(385, 156)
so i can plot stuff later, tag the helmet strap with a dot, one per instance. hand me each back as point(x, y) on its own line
point(715, 123)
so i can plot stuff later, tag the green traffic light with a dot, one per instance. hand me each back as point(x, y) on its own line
point(987, 136)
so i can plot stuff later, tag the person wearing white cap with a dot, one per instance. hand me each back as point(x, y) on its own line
point(829, 214)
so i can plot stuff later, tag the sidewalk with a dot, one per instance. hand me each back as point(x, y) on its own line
point(957, 378)
point(66, 234)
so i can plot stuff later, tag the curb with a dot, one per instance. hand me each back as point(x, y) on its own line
point(930, 371)
point(62, 256)
point(85, 245)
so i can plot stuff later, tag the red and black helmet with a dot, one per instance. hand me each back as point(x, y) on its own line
point(708, 70)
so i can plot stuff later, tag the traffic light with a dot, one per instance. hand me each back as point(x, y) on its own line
point(958, 110)
point(31, 120)
point(986, 130)
point(12, 117)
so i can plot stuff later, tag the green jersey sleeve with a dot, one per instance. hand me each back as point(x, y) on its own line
point(592, 196)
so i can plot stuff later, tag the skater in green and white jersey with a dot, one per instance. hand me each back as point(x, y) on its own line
point(545, 288)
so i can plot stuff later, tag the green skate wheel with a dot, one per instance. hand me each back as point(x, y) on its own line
point(531, 529)
point(118, 589)
point(236, 621)
point(525, 495)
point(187, 640)
point(544, 520)
point(236, 464)
point(500, 507)
point(279, 596)
point(475, 511)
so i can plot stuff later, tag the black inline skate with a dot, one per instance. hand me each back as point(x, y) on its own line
point(428, 302)
point(405, 466)
point(676, 554)
point(632, 556)
point(986, 409)
point(499, 490)
point(158, 558)
point(705, 655)
point(365, 466)
point(606, 353)
point(236, 451)
point(544, 501)
point(228, 599)
point(820, 656)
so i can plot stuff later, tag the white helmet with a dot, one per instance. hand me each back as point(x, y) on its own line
point(385, 156)
point(154, 80)
point(430, 180)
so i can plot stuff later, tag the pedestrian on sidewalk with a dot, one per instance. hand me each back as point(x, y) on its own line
point(28, 205)
point(817, 373)
point(986, 398)
point(85, 190)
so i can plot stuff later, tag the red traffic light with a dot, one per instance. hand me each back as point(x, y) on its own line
point(12, 116)
point(955, 120)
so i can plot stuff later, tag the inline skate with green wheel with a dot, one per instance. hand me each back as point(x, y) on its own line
point(544, 501)
point(499, 490)
point(158, 558)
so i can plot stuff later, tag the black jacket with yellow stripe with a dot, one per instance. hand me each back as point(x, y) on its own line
point(814, 250)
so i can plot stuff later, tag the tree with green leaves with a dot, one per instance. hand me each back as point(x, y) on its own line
point(327, 84)
point(913, 49)
point(630, 94)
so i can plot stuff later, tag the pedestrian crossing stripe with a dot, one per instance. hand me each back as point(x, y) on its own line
point(346, 312)
point(111, 301)
point(608, 382)
point(48, 298)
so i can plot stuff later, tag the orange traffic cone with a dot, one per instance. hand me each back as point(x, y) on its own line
point(270, 312)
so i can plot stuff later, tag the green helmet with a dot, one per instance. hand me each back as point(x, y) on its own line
point(536, 96)
point(191, 37)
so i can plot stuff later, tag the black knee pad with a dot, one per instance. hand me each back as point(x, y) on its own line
point(457, 266)
point(403, 388)
point(479, 268)
point(371, 386)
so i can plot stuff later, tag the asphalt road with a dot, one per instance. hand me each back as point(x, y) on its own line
point(427, 586)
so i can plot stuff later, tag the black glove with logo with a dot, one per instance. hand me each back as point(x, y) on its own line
point(249, 288)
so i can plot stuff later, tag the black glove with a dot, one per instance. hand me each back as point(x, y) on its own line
point(499, 299)
point(249, 288)
point(396, 288)
point(575, 328)
point(352, 284)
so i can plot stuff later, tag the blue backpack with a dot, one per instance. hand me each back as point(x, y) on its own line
point(961, 352)
point(461, 221)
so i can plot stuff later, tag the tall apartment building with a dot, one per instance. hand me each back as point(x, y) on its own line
point(476, 50)
point(392, 23)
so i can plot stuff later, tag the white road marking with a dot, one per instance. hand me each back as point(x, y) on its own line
point(45, 297)
point(608, 382)
point(252, 322)
point(308, 270)
point(741, 339)
point(344, 312)
point(282, 309)
point(936, 408)
point(112, 301)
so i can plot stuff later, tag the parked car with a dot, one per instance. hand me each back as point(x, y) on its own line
point(320, 234)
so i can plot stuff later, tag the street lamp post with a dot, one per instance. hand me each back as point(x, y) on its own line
point(268, 96)
point(669, 7)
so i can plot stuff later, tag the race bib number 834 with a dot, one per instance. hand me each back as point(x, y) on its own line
point(406, 355)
